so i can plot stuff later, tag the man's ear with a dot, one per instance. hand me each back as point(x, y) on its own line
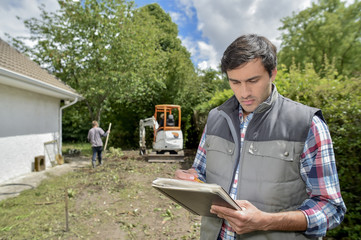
point(274, 73)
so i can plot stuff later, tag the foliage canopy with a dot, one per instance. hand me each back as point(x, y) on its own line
point(327, 29)
point(123, 60)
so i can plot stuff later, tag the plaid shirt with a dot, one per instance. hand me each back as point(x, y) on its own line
point(324, 209)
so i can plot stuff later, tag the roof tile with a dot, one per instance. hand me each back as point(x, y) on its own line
point(11, 59)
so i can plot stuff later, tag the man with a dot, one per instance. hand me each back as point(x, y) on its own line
point(273, 155)
point(95, 135)
point(161, 121)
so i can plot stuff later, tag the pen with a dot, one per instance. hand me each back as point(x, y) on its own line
point(194, 178)
point(198, 180)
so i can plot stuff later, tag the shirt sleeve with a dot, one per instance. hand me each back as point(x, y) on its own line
point(325, 208)
point(200, 160)
point(102, 133)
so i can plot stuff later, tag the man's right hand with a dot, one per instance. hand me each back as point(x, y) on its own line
point(189, 175)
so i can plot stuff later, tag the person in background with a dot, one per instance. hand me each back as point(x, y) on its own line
point(95, 135)
point(274, 156)
point(161, 120)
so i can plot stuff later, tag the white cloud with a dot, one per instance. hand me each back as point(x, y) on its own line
point(187, 7)
point(177, 17)
point(207, 55)
point(25, 9)
point(202, 53)
point(189, 43)
point(225, 20)
point(220, 22)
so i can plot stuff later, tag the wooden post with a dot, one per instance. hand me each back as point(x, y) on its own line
point(66, 211)
point(106, 141)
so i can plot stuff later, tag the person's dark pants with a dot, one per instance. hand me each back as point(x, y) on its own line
point(97, 151)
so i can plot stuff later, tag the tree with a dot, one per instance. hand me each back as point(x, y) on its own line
point(327, 29)
point(82, 44)
point(198, 97)
point(106, 50)
point(123, 60)
point(163, 70)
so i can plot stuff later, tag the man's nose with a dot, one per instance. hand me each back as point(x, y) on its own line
point(245, 90)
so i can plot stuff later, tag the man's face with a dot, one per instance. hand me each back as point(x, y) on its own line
point(251, 84)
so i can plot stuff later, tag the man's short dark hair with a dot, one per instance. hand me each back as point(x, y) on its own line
point(246, 48)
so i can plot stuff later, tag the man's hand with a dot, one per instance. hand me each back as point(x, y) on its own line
point(248, 220)
point(252, 219)
point(190, 174)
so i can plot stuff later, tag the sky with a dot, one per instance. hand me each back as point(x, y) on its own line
point(206, 27)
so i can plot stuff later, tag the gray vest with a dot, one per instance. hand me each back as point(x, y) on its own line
point(269, 167)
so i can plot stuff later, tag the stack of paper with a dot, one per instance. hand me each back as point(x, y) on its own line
point(194, 196)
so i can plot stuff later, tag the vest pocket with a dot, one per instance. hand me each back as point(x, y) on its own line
point(214, 143)
point(284, 150)
point(271, 161)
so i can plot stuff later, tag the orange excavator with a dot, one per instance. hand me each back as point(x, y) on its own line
point(168, 137)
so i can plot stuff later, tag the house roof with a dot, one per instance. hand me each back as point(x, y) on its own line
point(19, 67)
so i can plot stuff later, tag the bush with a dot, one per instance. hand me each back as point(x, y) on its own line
point(340, 101)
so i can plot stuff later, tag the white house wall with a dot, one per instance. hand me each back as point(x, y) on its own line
point(27, 121)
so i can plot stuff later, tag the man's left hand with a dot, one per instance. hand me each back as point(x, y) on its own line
point(248, 220)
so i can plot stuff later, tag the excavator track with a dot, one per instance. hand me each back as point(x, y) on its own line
point(165, 157)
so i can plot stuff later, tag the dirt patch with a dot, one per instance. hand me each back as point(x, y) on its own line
point(113, 201)
point(123, 205)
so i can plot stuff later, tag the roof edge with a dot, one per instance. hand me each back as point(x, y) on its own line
point(34, 85)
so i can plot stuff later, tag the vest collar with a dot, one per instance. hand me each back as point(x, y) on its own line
point(230, 106)
point(268, 103)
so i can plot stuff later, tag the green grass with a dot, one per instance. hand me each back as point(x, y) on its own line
point(40, 213)
point(36, 213)
point(85, 148)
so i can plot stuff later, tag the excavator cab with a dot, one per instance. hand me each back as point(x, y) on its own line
point(168, 137)
point(168, 117)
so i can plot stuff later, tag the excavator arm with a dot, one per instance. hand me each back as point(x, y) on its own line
point(148, 122)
